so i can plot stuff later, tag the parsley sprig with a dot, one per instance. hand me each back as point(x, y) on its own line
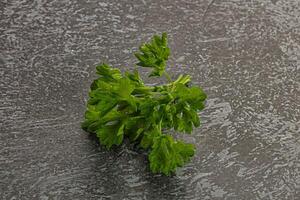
point(122, 105)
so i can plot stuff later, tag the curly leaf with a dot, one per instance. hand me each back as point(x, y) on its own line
point(154, 54)
point(167, 154)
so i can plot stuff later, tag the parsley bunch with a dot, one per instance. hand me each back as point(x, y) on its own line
point(122, 105)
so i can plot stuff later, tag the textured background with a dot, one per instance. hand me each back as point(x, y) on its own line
point(245, 55)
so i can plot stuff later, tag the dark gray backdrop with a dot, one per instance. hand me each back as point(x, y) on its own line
point(245, 55)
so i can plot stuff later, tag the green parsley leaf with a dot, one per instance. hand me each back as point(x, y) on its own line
point(154, 54)
point(167, 154)
point(111, 134)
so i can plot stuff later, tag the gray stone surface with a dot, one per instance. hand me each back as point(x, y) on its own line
point(245, 54)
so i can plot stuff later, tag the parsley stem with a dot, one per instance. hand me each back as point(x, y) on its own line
point(168, 77)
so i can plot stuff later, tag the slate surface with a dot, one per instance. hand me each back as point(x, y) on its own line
point(245, 54)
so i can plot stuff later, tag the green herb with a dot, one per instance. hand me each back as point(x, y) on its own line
point(122, 105)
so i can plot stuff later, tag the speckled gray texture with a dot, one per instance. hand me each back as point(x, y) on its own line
point(245, 55)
